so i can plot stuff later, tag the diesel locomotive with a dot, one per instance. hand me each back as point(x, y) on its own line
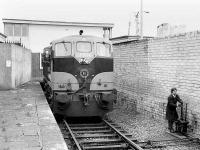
point(78, 76)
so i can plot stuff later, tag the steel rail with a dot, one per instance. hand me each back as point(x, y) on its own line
point(105, 147)
point(131, 143)
point(166, 143)
point(73, 136)
point(98, 136)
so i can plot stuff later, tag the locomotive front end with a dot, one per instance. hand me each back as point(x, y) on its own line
point(82, 76)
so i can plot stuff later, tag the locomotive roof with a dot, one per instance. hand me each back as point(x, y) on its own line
point(80, 38)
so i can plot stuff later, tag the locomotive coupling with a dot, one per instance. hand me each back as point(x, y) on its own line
point(85, 98)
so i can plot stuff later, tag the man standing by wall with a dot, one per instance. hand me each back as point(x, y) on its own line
point(171, 113)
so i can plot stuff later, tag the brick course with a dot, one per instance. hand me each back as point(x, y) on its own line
point(146, 70)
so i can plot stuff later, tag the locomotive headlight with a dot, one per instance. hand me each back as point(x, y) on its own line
point(47, 54)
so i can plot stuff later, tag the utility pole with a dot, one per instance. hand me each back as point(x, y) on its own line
point(129, 27)
point(137, 29)
point(141, 19)
point(136, 17)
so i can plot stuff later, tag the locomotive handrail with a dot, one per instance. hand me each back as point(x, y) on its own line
point(78, 90)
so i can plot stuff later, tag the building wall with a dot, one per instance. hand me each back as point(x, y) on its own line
point(40, 36)
point(15, 64)
point(145, 72)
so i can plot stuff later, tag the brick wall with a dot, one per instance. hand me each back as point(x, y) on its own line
point(130, 72)
point(145, 71)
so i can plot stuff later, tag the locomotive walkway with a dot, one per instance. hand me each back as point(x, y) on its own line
point(26, 121)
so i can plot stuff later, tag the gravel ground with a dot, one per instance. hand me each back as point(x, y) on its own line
point(145, 128)
point(142, 127)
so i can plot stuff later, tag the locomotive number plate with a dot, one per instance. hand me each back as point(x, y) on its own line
point(84, 73)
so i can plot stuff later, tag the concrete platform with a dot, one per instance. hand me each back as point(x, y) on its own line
point(26, 121)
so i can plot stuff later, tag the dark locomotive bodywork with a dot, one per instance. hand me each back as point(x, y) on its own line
point(78, 76)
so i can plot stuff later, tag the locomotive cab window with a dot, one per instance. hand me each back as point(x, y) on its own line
point(103, 49)
point(83, 49)
point(63, 49)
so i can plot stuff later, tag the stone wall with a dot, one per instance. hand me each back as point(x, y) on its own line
point(145, 71)
point(15, 65)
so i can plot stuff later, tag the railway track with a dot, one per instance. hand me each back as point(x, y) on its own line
point(106, 135)
point(98, 136)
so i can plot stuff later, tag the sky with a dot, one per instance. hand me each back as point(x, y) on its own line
point(119, 12)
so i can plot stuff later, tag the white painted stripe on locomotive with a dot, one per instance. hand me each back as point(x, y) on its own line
point(60, 81)
point(106, 80)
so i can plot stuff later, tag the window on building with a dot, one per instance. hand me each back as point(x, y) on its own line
point(17, 30)
point(24, 30)
point(9, 29)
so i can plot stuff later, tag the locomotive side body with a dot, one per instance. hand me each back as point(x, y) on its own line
point(78, 76)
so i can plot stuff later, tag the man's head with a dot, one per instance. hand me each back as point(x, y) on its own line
point(173, 91)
